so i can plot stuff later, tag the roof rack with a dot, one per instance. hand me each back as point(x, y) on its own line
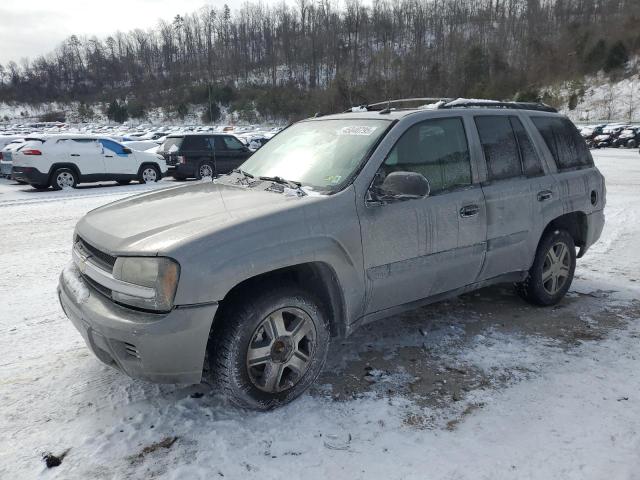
point(466, 103)
point(440, 102)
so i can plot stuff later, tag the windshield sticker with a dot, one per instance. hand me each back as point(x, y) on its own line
point(357, 130)
point(333, 179)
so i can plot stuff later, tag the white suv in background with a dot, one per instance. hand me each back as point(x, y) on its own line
point(64, 161)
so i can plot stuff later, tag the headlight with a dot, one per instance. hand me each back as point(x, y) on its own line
point(159, 274)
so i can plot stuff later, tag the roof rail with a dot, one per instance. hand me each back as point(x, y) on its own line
point(466, 103)
point(441, 102)
point(387, 103)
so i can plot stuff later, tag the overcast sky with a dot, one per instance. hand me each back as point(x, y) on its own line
point(32, 27)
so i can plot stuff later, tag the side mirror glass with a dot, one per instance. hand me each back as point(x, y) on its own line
point(127, 150)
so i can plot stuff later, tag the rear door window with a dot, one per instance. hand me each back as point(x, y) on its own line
point(196, 143)
point(530, 161)
point(567, 146)
point(500, 147)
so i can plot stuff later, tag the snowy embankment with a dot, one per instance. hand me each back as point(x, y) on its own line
point(483, 387)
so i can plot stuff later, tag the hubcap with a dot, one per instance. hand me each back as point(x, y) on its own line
point(149, 175)
point(206, 171)
point(281, 349)
point(65, 180)
point(555, 270)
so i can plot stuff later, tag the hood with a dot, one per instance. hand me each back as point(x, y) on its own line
point(159, 222)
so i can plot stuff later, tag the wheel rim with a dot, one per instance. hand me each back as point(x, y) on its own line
point(555, 270)
point(281, 349)
point(206, 171)
point(65, 180)
point(149, 175)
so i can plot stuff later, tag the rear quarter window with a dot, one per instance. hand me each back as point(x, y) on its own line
point(567, 146)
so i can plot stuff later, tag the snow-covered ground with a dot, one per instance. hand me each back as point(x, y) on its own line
point(482, 387)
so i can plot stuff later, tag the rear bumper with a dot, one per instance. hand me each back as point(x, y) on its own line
point(181, 170)
point(161, 348)
point(30, 175)
point(595, 225)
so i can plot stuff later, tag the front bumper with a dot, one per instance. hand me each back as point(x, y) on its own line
point(31, 175)
point(161, 348)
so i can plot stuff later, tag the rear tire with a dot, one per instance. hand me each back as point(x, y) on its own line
point(64, 178)
point(149, 174)
point(269, 348)
point(205, 169)
point(551, 274)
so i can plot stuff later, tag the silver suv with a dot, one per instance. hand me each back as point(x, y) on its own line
point(337, 221)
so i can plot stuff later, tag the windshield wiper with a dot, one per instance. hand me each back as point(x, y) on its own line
point(292, 184)
point(282, 181)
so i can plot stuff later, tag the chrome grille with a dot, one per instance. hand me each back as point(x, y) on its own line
point(104, 260)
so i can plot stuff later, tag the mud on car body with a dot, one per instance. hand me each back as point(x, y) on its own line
point(337, 221)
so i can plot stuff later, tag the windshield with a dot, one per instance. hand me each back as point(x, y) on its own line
point(322, 154)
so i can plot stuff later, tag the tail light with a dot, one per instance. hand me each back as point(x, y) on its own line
point(182, 159)
point(31, 151)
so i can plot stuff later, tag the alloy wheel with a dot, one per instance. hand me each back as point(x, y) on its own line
point(281, 350)
point(206, 171)
point(556, 267)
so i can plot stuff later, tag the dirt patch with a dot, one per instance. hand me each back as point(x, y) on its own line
point(415, 354)
point(166, 443)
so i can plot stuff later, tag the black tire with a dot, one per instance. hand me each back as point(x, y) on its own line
point(237, 330)
point(123, 182)
point(632, 144)
point(145, 175)
point(203, 166)
point(539, 292)
point(63, 178)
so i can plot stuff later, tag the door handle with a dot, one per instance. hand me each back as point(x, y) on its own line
point(469, 211)
point(545, 195)
point(109, 156)
point(75, 154)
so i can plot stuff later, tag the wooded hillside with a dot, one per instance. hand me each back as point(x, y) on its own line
point(288, 61)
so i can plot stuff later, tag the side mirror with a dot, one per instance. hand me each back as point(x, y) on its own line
point(127, 150)
point(398, 186)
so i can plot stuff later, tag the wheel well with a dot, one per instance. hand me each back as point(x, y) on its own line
point(56, 166)
point(575, 223)
point(317, 278)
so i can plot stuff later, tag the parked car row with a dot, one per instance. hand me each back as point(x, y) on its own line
point(611, 135)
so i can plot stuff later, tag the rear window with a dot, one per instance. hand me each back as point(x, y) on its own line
point(171, 144)
point(567, 146)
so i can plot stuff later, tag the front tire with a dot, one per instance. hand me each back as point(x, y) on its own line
point(64, 178)
point(551, 274)
point(269, 348)
point(149, 174)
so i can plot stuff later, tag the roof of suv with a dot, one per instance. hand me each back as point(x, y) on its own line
point(382, 110)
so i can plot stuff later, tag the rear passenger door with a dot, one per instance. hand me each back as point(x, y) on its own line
point(85, 153)
point(515, 191)
point(576, 175)
point(418, 248)
point(197, 150)
point(230, 153)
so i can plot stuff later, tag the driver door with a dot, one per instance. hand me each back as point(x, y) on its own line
point(116, 160)
point(417, 248)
